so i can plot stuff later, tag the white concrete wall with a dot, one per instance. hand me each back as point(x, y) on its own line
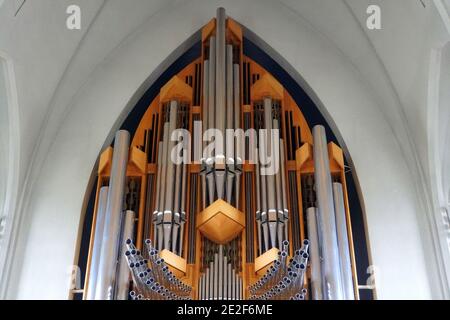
point(117, 57)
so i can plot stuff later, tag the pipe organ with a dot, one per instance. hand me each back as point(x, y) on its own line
point(223, 192)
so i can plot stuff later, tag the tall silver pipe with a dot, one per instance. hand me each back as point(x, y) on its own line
point(97, 246)
point(283, 189)
point(183, 206)
point(110, 244)
point(169, 205)
point(314, 254)
point(220, 96)
point(237, 100)
point(211, 83)
point(327, 220)
point(258, 202)
point(205, 122)
point(170, 164)
point(211, 114)
point(158, 191)
point(238, 155)
point(344, 250)
point(279, 196)
point(205, 94)
point(264, 209)
point(123, 278)
point(158, 180)
point(229, 123)
point(270, 178)
point(176, 208)
point(220, 69)
point(230, 88)
point(163, 176)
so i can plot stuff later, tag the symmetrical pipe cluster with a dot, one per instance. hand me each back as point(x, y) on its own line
point(170, 215)
point(220, 281)
point(284, 279)
point(109, 275)
point(271, 202)
point(331, 274)
point(152, 278)
point(222, 169)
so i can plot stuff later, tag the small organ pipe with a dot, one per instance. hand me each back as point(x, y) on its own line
point(97, 246)
point(225, 278)
point(230, 282)
point(207, 286)
point(216, 276)
point(342, 233)
point(220, 274)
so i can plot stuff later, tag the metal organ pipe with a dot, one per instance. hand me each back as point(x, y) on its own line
point(230, 168)
point(314, 249)
point(220, 70)
point(270, 178)
point(123, 278)
point(211, 83)
point(205, 122)
point(163, 175)
point(97, 246)
point(283, 191)
point(344, 251)
point(327, 220)
point(220, 280)
point(168, 208)
point(279, 198)
point(110, 244)
point(238, 155)
point(182, 207)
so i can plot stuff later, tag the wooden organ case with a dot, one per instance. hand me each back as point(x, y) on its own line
point(209, 222)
